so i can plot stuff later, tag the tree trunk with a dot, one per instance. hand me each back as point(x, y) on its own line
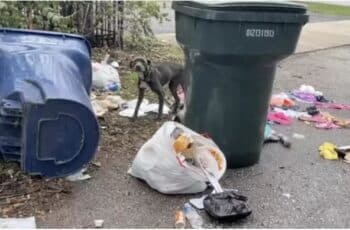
point(93, 19)
point(29, 18)
point(85, 13)
point(121, 23)
point(115, 23)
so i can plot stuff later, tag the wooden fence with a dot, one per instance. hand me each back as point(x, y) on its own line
point(100, 21)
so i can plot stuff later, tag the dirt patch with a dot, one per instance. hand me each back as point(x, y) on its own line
point(22, 195)
point(118, 133)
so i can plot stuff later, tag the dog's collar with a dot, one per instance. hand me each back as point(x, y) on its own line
point(147, 74)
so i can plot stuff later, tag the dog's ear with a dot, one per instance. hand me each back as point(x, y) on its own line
point(148, 62)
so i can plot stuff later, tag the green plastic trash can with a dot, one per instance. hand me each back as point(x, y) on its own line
point(231, 51)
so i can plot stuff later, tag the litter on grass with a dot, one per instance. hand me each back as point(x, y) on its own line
point(79, 176)
point(105, 76)
point(102, 106)
point(145, 108)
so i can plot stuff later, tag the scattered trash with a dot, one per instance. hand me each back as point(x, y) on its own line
point(347, 158)
point(99, 109)
point(327, 126)
point(298, 136)
point(180, 220)
point(284, 140)
point(286, 195)
point(96, 163)
point(170, 172)
point(281, 100)
point(114, 101)
point(330, 151)
point(79, 176)
point(130, 113)
point(319, 119)
point(290, 112)
point(324, 120)
point(343, 149)
point(304, 97)
point(92, 96)
point(145, 107)
point(270, 135)
point(114, 64)
point(279, 118)
point(192, 216)
point(153, 107)
point(327, 151)
point(105, 76)
point(306, 94)
point(344, 152)
point(332, 106)
point(222, 204)
point(321, 98)
point(98, 223)
point(309, 89)
point(18, 223)
point(227, 205)
point(312, 110)
point(198, 202)
point(102, 106)
point(268, 131)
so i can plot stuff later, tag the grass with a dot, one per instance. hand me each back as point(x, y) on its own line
point(329, 9)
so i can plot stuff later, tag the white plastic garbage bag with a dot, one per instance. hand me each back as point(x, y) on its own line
point(105, 77)
point(164, 170)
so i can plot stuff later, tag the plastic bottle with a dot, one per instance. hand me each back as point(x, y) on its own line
point(113, 86)
point(180, 221)
point(192, 216)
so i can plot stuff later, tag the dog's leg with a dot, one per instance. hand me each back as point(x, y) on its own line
point(157, 88)
point(173, 90)
point(161, 103)
point(139, 100)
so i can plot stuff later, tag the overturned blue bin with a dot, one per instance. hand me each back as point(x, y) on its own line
point(47, 123)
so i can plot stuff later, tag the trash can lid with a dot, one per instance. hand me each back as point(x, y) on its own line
point(226, 10)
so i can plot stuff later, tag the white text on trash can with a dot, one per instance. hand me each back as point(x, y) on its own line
point(260, 33)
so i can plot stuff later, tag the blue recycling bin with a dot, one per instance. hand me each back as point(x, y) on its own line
point(47, 123)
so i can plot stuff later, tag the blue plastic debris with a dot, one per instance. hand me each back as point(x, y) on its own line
point(268, 131)
point(47, 123)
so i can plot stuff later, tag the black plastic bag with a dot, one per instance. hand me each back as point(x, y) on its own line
point(312, 110)
point(227, 206)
